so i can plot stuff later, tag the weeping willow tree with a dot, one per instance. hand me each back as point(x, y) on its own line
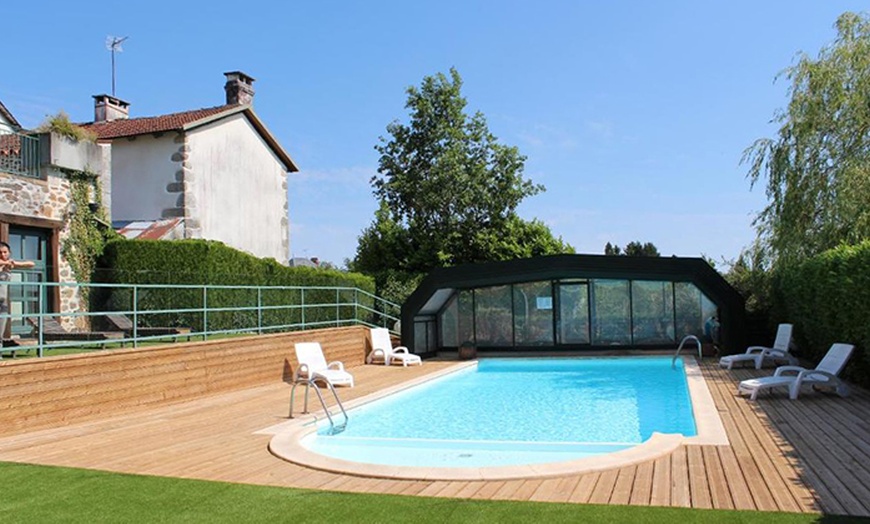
point(817, 169)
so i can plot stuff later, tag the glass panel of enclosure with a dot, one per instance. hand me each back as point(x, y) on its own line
point(449, 323)
point(424, 335)
point(431, 335)
point(493, 312)
point(420, 342)
point(533, 314)
point(688, 312)
point(466, 316)
point(652, 312)
point(611, 312)
point(574, 313)
point(594, 312)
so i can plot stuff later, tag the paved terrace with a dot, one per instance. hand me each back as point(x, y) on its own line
point(810, 455)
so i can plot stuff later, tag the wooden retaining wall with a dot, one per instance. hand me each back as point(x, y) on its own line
point(56, 391)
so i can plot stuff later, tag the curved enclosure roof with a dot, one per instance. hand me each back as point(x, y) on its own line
point(441, 286)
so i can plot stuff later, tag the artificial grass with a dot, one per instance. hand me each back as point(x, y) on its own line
point(31, 493)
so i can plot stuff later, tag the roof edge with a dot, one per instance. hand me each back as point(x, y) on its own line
point(289, 165)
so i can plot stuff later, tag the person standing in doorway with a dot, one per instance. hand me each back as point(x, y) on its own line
point(7, 264)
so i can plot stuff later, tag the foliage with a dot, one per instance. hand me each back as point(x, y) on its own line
point(448, 191)
point(818, 167)
point(750, 276)
point(80, 495)
point(61, 125)
point(633, 249)
point(827, 297)
point(200, 262)
point(86, 238)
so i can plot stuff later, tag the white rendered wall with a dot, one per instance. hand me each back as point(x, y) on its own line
point(142, 171)
point(5, 126)
point(235, 189)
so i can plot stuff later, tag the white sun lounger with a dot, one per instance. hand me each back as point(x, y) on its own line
point(383, 350)
point(312, 364)
point(793, 377)
point(758, 355)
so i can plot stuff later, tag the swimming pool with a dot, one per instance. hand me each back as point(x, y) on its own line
point(509, 413)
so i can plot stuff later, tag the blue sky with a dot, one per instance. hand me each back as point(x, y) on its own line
point(633, 114)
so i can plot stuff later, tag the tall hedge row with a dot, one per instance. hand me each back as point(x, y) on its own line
point(200, 262)
point(828, 300)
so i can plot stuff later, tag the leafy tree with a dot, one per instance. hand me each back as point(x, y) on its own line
point(636, 249)
point(633, 249)
point(448, 191)
point(818, 167)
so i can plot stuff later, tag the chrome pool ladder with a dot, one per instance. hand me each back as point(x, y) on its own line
point(308, 382)
point(687, 338)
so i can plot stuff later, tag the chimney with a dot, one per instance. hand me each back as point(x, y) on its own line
point(108, 108)
point(239, 88)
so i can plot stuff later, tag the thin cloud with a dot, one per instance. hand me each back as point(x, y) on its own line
point(543, 136)
point(602, 129)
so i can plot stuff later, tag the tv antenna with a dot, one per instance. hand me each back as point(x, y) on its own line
point(113, 43)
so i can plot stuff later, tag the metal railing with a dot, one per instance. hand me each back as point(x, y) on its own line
point(157, 312)
point(19, 154)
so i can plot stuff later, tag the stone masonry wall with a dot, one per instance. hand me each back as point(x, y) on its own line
point(48, 199)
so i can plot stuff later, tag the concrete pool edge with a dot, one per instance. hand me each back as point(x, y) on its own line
point(285, 443)
point(709, 429)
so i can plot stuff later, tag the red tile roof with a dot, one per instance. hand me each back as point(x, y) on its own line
point(178, 121)
point(152, 124)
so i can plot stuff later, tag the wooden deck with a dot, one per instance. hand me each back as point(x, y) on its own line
point(811, 455)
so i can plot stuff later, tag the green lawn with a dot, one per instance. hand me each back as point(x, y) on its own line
point(48, 494)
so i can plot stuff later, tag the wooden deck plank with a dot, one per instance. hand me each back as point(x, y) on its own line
point(661, 485)
point(583, 492)
point(604, 487)
point(681, 495)
point(624, 483)
point(737, 431)
point(642, 489)
point(452, 489)
point(509, 489)
point(527, 489)
point(699, 488)
point(720, 492)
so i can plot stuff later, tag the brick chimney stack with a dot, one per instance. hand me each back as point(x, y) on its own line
point(239, 88)
point(108, 108)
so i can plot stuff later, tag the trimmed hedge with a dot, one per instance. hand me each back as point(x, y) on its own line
point(828, 300)
point(201, 262)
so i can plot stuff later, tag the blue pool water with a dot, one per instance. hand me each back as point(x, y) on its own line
point(518, 411)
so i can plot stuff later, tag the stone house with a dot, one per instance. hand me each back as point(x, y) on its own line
point(215, 173)
point(35, 210)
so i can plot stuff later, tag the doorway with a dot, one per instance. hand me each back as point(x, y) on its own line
point(28, 244)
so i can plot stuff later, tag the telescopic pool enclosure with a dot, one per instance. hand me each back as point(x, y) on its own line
point(571, 303)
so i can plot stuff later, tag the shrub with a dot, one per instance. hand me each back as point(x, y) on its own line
point(827, 297)
point(201, 262)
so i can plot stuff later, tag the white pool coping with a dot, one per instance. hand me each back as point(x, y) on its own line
point(285, 443)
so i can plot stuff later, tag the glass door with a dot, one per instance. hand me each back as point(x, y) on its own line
point(28, 244)
point(573, 323)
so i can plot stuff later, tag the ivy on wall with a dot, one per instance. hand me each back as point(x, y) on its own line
point(86, 238)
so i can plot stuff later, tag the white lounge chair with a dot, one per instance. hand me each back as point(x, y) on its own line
point(312, 364)
point(793, 377)
point(758, 355)
point(383, 350)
